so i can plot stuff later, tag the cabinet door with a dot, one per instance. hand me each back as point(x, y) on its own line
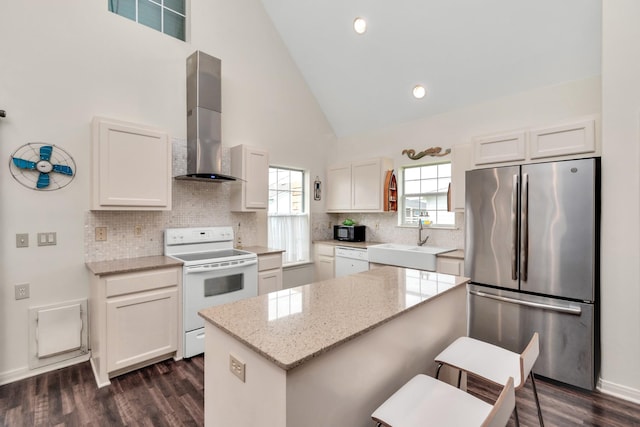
point(325, 267)
point(256, 194)
point(140, 327)
point(572, 138)
point(131, 167)
point(252, 166)
point(500, 148)
point(339, 188)
point(366, 184)
point(269, 281)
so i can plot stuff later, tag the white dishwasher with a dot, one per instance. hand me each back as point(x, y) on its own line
point(350, 260)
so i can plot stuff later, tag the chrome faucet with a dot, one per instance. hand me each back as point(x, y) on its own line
point(420, 240)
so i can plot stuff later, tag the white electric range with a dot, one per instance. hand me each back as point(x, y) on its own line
point(214, 273)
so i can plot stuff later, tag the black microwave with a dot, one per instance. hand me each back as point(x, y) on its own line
point(349, 233)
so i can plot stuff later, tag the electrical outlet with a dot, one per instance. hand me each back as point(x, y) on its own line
point(237, 368)
point(22, 240)
point(101, 234)
point(137, 230)
point(22, 291)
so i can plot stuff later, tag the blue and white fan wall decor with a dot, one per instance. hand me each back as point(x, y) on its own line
point(42, 166)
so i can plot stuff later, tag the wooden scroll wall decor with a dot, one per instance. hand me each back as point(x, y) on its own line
point(433, 152)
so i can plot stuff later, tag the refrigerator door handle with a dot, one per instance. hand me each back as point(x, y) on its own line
point(570, 309)
point(514, 227)
point(524, 229)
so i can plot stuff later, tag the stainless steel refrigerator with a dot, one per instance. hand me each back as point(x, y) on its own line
point(532, 253)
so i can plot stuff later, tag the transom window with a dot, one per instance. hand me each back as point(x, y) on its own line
point(288, 220)
point(425, 190)
point(166, 16)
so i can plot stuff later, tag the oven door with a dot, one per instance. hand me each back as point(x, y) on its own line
point(204, 287)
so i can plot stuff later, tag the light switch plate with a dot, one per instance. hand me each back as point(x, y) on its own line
point(22, 240)
point(47, 239)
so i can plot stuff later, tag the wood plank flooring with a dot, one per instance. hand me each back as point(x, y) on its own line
point(171, 394)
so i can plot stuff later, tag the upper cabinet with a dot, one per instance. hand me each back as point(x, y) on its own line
point(567, 140)
point(357, 186)
point(252, 166)
point(131, 166)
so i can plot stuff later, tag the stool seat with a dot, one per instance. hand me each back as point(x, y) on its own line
point(489, 361)
point(425, 401)
point(494, 364)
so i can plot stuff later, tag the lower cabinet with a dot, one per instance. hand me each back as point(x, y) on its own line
point(269, 273)
point(134, 320)
point(324, 261)
point(139, 328)
point(453, 266)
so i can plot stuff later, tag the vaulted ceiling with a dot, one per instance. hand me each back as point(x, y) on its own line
point(462, 51)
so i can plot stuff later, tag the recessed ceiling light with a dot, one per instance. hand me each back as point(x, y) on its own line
point(419, 91)
point(360, 25)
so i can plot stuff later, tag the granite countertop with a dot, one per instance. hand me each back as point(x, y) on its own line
point(261, 250)
point(457, 254)
point(291, 326)
point(128, 265)
point(348, 244)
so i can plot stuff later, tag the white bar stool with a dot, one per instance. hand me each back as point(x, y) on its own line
point(425, 401)
point(493, 363)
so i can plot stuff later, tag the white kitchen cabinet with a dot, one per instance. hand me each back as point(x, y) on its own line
point(357, 186)
point(131, 166)
point(134, 320)
point(461, 162)
point(269, 273)
point(569, 140)
point(566, 139)
point(500, 148)
point(252, 166)
point(451, 263)
point(324, 261)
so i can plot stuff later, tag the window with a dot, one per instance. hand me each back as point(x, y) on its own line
point(288, 220)
point(166, 16)
point(425, 190)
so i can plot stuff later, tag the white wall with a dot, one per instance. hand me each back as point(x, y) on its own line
point(620, 199)
point(63, 63)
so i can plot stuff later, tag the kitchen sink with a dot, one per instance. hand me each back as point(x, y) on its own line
point(410, 256)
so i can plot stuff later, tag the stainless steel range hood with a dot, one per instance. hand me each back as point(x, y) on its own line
point(204, 108)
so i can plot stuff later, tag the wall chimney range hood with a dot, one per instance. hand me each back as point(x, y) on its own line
point(204, 130)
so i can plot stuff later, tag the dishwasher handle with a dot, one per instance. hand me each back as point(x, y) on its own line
point(571, 309)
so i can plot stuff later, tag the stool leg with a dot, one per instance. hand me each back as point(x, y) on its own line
point(535, 394)
point(438, 370)
point(459, 377)
point(515, 410)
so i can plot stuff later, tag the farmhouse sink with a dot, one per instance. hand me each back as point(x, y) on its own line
point(418, 257)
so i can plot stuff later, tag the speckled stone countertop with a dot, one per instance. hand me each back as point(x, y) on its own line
point(128, 265)
point(291, 326)
point(348, 244)
point(261, 250)
point(457, 254)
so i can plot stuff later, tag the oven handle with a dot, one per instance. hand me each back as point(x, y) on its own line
point(190, 270)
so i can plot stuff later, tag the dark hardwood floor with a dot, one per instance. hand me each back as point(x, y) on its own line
point(171, 394)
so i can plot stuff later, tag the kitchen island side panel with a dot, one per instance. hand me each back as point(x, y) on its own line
point(342, 386)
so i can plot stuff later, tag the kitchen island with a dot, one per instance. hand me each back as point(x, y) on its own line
point(330, 352)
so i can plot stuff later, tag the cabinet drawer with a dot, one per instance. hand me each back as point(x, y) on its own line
point(269, 262)
point(142, 281)
point(326, 250)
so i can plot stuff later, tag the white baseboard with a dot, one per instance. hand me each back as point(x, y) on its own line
point(617, 390)
point(22, 373)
